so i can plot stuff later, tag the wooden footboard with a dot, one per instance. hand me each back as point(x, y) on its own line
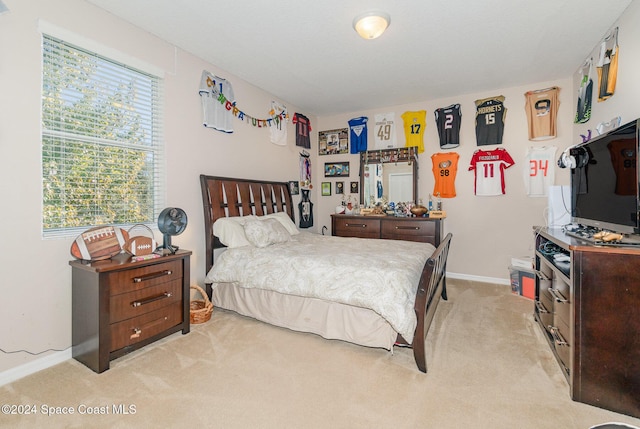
point(433, 286)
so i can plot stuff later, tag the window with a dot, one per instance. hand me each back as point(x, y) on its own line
point(102, 155)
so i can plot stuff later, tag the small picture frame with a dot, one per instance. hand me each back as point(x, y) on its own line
point(326, 189)
point(339, 188)
point(294, 187)
point(355, 187)
point(336, 169)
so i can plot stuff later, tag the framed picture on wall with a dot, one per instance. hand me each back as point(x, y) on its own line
point(294, 187)
point(355, 187)
point(339, 187)
point(336, 169)
point(326, 189)
point(333, 142)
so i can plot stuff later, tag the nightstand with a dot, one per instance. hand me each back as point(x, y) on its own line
point(119, 306)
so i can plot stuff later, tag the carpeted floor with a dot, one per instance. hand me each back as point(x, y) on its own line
point(489, 367)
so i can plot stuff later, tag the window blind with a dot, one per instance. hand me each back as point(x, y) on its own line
point(102, 145)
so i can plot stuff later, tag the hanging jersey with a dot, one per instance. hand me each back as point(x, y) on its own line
point(414, 126)
point(305, 206)
point(541, 172)
point(489, 166)
point(445, 167)
point(541, 107)
point(607, 66)
point(385, 132)
point(303, 130)
point(216, 94)
point(358, 134)
point(585, 92)
point(278, 124)
point(448, 121)
point(623, 159)
point(490, 117)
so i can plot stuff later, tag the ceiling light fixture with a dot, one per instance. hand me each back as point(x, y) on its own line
point(371, 25)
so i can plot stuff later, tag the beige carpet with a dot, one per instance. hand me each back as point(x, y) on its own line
point(489, 367)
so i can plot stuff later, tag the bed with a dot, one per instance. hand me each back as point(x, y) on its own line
point(371, 292)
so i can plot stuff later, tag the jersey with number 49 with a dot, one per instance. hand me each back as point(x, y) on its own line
point(448, 121)
point(384, 131)
point(489, 166)
point(490, 117)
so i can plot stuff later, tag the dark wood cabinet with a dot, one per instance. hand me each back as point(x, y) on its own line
point(589, 309)
point(119, 306)
point(421, 229)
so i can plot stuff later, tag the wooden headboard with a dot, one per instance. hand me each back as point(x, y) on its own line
point(228, 197)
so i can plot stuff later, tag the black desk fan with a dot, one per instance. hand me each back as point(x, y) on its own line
point(172, 221)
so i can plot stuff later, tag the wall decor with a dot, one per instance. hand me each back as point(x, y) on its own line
point(333, 142)
point(339, 187)
point(355, 188)
point(326, 189)
point(336, 169)
point(294, 187)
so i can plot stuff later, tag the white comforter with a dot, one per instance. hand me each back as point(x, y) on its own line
point(381, 275)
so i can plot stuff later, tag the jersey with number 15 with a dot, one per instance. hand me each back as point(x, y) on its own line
point(490, 117)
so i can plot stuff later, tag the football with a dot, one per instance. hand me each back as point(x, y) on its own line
point(102, 242)
point(140, 245)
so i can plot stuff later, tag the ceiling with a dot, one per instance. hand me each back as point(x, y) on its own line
point(306, 52)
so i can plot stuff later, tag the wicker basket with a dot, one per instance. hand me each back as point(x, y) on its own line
point(200, 310)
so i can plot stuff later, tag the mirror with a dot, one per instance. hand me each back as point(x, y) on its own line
point(389, 173)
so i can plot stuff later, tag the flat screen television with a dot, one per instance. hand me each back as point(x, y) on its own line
point(604, 185)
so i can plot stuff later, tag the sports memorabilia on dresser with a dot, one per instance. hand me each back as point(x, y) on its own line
point(489, 166)
point(541, 107)
point(490, 118)
point(414, 126)
point(101, 242)
point(448, 121)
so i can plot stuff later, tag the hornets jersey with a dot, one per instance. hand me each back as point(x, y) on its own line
point(490, 117)
point(414, 125)
point(448, 121)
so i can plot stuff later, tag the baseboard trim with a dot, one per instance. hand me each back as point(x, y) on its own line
point(492, 280)
point(21, 371)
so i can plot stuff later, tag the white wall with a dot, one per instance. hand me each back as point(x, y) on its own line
point(35, 308)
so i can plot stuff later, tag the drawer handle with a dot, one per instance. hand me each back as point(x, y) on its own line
point(357, 225)
point(557, 338)
point(556, 295)
point(151, 299)
point(152, 276)
point(541, 308)
point(541, 275)
point(415, 228)
point(137, 332)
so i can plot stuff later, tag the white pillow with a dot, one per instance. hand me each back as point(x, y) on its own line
point(263, 233)
point(230, 230)
point(284, 219)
